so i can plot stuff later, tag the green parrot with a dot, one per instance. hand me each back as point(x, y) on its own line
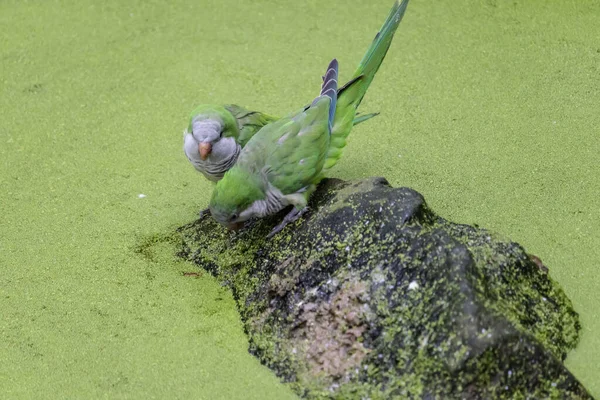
point(216, 134)
point(282, 163)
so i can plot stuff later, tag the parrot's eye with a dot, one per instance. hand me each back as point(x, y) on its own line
point(234, 216)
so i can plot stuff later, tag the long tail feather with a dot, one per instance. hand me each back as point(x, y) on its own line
point(375, 54)
point(352, 93)
point(329, 88)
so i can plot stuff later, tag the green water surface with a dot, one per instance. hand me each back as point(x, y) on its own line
point(491, 109)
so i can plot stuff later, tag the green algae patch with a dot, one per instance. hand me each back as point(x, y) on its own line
point(358, 300)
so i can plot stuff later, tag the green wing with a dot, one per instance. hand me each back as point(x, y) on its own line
point(291, 152)
point(248, 122)
point(297, 157)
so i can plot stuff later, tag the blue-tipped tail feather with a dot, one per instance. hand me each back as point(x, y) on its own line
point(329, 88)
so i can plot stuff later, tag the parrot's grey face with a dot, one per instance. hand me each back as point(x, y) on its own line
point(206, 132)
point(235, 198)
point(235, 218)
point(232, 219)
point(231, 215)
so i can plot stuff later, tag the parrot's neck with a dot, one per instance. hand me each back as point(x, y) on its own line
point(223, 156)
point(273, 202)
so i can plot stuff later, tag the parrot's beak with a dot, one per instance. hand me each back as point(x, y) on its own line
point(236, 226)
point(204, 149)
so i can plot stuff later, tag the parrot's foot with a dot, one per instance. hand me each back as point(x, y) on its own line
point(204, 213)
point(289, 218)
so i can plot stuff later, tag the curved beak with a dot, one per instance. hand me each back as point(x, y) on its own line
point(204, 149)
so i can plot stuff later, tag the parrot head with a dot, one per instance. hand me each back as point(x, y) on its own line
point(206, 132)
point(210, 149)
point(234, 197)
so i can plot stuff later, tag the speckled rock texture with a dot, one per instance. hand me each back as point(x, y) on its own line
point(372, 296)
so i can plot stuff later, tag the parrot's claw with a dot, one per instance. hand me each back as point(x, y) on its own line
point(289, 218)
point(203, 213)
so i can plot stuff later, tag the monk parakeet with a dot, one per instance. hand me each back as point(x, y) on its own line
point(216, 134)
point(282, 163)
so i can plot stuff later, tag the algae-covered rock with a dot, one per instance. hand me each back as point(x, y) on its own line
point(372, 295)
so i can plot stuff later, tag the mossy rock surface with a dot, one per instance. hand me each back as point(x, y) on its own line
point(372, 295)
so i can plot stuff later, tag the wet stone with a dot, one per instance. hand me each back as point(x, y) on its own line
point(372, 295)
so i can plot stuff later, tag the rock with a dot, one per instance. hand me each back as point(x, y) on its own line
point(372, 295)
